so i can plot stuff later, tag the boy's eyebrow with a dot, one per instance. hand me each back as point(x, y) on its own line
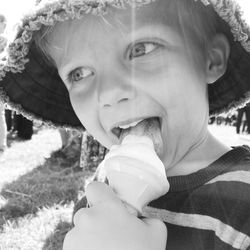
point(160, 31)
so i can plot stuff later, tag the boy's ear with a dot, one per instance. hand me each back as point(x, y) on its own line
point(217, 57)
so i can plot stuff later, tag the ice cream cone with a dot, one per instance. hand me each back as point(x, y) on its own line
point(135, 172)
point(134, 181)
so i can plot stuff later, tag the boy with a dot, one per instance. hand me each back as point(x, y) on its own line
point(120, 65)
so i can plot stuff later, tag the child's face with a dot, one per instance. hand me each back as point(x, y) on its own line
point(128, 66)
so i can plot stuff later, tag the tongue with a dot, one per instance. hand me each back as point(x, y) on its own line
point(150, 128)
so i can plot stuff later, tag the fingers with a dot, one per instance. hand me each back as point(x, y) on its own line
point(158, 231)
point(98, 192)
point(99, 196)
point(156, 224)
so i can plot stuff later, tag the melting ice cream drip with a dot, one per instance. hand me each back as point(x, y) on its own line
point(133, 168)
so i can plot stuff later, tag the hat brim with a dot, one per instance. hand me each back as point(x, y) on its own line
point(38, 92)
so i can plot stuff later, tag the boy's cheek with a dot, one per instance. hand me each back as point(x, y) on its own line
point(96, 130)
point(70, 240)
point(88, 116)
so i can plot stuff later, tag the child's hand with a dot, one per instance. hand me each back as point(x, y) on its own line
point(108, 225)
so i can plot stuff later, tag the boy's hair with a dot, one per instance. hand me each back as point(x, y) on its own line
point(196, 23)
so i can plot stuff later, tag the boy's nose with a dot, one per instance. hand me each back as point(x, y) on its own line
point(115, 92)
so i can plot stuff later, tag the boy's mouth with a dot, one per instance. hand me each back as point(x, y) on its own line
point(150, 127)
point(139, 127)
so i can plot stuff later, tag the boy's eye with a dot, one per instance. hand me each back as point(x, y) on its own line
point(141, 49)
point(79, 74)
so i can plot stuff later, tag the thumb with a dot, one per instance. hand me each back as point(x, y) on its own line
point(158, 232)
point(99, 192)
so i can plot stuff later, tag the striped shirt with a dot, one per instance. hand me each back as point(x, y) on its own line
point(208, 209)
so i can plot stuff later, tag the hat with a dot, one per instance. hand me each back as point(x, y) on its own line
point(32, 87)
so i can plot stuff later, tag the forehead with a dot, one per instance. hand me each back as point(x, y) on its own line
point(93, 29)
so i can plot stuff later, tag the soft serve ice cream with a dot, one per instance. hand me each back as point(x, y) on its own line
point(151, 129)
point(133, 168)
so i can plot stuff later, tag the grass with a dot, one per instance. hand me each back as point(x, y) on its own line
point(38, 192)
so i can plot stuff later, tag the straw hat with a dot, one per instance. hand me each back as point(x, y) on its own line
point(30, 86)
